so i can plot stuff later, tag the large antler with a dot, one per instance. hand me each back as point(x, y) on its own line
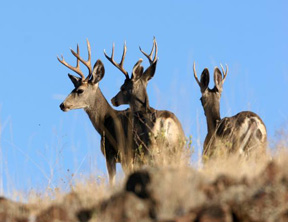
point(195, 74)
point(77, 68)
point(118, 65)
point(86, 63)
point(149, 57)
point(224, 73)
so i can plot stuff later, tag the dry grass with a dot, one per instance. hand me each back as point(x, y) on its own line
point(175, 190)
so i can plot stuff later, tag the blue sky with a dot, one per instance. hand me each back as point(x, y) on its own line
point(42, 146)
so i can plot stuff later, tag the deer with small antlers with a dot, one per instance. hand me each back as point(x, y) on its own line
point(112, 125)
point(244, 133)
point(147, 123)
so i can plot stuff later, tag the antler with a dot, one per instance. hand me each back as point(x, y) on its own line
point(149, 57)
point(224, 73)
point(77, 68)
point(118, 65)
point(195, 74)
point(86, 63)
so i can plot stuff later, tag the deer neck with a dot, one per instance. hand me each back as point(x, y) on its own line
point(212, 117)
point(138, 104)
point(98, 110)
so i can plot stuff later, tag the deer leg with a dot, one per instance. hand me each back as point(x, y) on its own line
point(111, 167)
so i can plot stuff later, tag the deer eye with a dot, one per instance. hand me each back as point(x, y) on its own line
point(79, 91)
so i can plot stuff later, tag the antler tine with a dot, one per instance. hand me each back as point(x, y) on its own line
point(123, 55)
point(149, 57)
point(195, 74)
point(86, 63)
point(118, 65)
point(156, 50)
point(75, 69)
point(224, 73)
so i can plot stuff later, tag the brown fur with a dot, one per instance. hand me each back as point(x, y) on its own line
point(244, 133)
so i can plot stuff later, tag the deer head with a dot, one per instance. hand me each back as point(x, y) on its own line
point(133, 91)
point(80, 97)
point(211, 97)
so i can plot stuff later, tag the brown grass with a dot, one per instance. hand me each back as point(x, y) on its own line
point(228, 188)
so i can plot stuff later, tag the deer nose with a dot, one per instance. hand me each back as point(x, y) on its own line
point(62, 107)
point(114, 102)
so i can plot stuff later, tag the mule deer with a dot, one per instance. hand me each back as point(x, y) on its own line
point(244, 133)
point(112, 125)
point(149, 126)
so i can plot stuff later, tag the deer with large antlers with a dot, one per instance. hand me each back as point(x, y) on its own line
point(244, 133)
point(111, 124)
point(148, 124)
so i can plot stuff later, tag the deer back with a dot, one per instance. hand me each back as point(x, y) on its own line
point(245, 134)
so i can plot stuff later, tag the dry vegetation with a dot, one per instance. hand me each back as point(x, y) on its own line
point(225, 189)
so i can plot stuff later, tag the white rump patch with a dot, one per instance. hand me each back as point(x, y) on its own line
point(166, 128)
point(247, 128)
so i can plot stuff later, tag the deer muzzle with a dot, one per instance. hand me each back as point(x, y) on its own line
point(63, 107)
point(115, 102)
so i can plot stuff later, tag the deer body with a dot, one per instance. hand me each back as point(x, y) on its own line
point(112, 125)
point(152, 129)
point(168, 126)
point(244, 133)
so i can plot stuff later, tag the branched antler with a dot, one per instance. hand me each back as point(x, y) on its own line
point(149, 57)
point(77, 68)
point(118, 65)
point(86, 63)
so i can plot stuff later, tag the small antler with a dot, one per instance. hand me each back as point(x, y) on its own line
point(118, 65)
point(224, 73)
point(77, 68)
point(149, 57)
point(195, 74)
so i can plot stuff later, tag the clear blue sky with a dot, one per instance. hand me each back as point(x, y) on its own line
point(42, 146)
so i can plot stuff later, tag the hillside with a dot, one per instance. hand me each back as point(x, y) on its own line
point(224, 190)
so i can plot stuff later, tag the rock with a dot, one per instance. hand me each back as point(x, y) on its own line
point(85, 215)
point(138, 184)
point(271, 174)
point(12, 211)
point(126, 207)
point(221, 184)
point(215, 213)
point(55, 213)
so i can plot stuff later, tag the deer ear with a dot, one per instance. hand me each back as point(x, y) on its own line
point(98, 72)
point(137, 70)
point(218, 79)
point(75, 80)
point(205, 78)
point(149, 72)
